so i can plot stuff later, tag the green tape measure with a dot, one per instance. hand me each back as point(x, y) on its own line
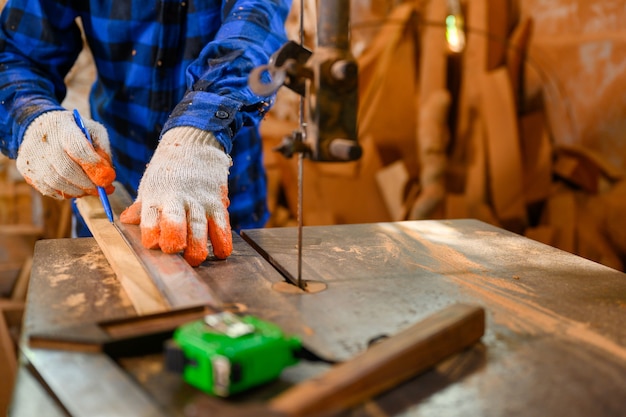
point(225, 354)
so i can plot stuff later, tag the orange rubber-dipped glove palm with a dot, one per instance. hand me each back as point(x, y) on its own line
point(182, 200)
point(56, 158)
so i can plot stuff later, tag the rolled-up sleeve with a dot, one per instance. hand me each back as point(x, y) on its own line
point(218, 98)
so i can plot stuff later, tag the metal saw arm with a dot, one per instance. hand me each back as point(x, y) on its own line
point(327, 78)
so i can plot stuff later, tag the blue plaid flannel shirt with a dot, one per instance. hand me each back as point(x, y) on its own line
point(160, 64)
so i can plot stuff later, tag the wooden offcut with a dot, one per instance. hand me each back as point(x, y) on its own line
point(434, 135)
point(385, 364)
point(504, 156)
point(127, 336)
point(10, 317)
point(139, 286)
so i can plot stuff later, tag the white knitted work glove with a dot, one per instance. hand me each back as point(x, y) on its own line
point(56, 158)
point(182, 199)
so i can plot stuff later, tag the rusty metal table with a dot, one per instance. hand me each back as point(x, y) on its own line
point(555, 342)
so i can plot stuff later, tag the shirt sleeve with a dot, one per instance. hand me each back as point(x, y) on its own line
point(218, 98)
point(39, 42)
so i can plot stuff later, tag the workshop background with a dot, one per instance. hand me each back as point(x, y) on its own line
point(522, 126)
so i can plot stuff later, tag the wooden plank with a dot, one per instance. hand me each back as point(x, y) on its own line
point(503, 149)
point(127, 336)
point(433, 137)
point(10, 305)
point(389, 86)
point(141, 289)
point(21, 283)
point(476, 177)
point(434, 53)
point(178, 282)
point(516, 56)
point(21, 230)
point(385, 364)
point(537, 157)
point(467, 164)
point(8, 363)
point(392, 181)
point(498, 18)
point(561, 214)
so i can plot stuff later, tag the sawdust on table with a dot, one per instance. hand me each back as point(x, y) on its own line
point(521, 315)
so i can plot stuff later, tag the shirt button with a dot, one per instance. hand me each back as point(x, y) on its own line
point(221, 114)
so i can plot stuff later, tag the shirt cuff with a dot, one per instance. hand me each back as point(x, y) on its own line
point(211, 112)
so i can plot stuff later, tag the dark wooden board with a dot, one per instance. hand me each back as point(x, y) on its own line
point(385, 364)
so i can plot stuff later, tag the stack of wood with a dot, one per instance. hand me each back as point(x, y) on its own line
point(25, 217)
point(18, 233)
point(495, 132)
point(21, 224)
point(11, 313)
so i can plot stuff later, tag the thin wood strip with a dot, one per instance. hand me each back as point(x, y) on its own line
point(465, 157)
point(516, 56)
point(385, 364)
point(6, 304)
point(476, 179)
point(504, 154)
point(21, 283)
point(434, 53)
point(537, 157)
point(21, 230)
point(65, 218)
point(8, 364)
point(498, 17)
point(139, 286)
point(561, 212)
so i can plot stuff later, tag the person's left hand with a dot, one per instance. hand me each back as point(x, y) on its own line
point(182, 199)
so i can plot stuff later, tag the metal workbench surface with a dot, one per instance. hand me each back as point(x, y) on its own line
point(555, 343)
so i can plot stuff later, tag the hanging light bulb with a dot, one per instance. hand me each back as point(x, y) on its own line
point(455, 27)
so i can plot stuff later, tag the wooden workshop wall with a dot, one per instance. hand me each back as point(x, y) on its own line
point(577, 66)
point(523, 129)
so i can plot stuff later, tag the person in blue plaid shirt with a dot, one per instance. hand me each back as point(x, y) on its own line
point(173, 119)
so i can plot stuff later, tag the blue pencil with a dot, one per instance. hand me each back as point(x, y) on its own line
point(101, 192)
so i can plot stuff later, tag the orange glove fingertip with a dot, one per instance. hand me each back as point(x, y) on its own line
point(221, 239)
point(100, 174)
point(150, 237)
point(132, 214)
point(173, 238)
point(196, 253)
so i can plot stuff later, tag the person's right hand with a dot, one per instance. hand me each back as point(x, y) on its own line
point(56, 158)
